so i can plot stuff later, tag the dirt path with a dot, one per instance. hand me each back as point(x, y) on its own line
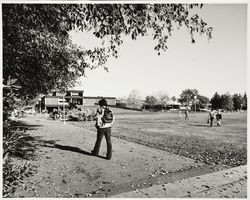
point(65, 167)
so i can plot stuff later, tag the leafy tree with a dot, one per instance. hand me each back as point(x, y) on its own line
point(227, 102)
point(38, 52)
point(237, 101)
point(173, 98)
point(202, 101)
point(163, 98)
point(134, 99)
point(216, 101)
point(151, 100)
point(244, 101)
point(187, 96)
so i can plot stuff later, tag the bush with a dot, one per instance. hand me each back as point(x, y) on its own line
point(78, 115)
point(13, 175)
point(12, 172)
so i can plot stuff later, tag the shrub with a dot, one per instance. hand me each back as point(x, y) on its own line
point(78, 115)
point(13, 175)
point(12, 172)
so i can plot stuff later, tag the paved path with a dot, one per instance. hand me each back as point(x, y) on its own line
point(230, 183)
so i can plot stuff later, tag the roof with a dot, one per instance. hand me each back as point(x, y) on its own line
point(171, 102)
point(80, 97)
point(75, 91)
point(57, 105)
point(74, 97)
point(51, 97)
point(67, 91)
point(98, 97)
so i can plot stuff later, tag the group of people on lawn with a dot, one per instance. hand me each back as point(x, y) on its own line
point(212, 115)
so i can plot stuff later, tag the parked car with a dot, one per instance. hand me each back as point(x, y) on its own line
point(17, 113)
point(63, 101)
point(29, 110)
point(185, 107)
point(204, 110)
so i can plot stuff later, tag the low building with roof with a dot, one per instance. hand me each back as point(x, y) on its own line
point(73, 97)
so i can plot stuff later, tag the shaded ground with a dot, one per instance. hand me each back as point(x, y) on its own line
point(65, 167)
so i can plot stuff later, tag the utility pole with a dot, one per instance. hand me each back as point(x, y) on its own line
point(195, 97)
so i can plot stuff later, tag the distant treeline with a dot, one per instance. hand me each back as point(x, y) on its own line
point(124, 106)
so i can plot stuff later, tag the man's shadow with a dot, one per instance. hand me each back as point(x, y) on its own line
point(28, 144)
point(200, 125)
point(73, 149)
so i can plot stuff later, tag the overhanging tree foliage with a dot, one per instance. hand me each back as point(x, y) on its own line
point(38, 52)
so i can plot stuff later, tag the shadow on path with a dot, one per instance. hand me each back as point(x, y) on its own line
point(200, 125)
point(28, 145)
point(70, 148)
point(23, 126)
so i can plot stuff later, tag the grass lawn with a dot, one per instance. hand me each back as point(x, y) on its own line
point(193, 138)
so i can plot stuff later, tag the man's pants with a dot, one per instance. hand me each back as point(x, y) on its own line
point(218, 122)
point(211, 121)
point(100, 133)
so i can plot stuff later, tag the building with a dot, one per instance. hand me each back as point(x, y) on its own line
point(90, 101)
point(55, 100)
point(73, 97)
point(173, 105)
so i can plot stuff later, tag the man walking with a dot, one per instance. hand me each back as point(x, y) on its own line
point(219, 118)
point(211, 117)
point(186, 113)
point(104, 122)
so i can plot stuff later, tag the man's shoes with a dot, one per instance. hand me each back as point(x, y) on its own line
point(93, 153)
point(108, 157)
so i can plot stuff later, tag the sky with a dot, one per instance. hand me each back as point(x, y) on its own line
point(218, 65)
